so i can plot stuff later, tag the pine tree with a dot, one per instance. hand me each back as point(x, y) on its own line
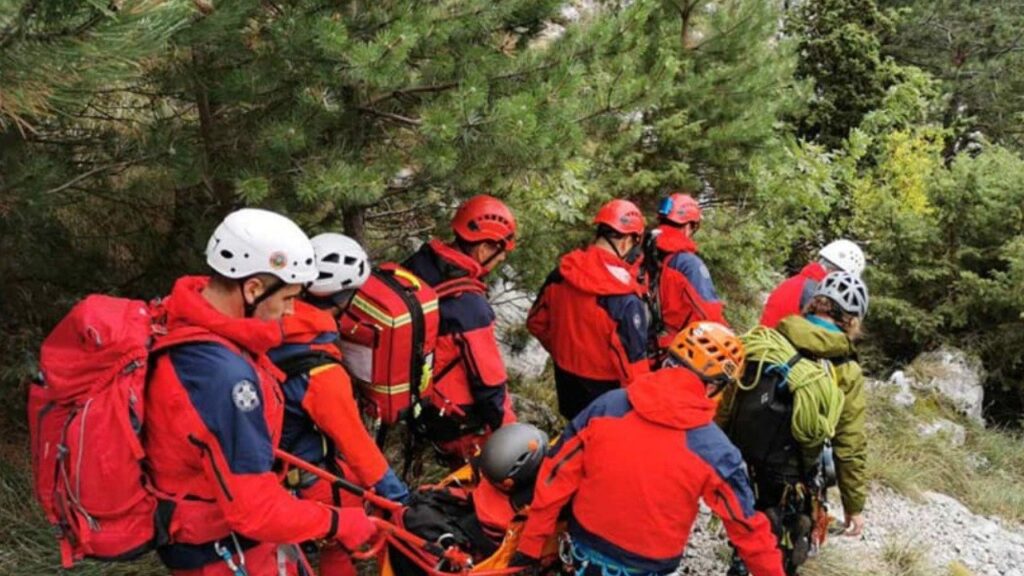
point(974, 48)
point(840, 53)
point(701, 90)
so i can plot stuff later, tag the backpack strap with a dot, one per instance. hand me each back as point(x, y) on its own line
point(303, 363)
point(188, 335)
point(459, 286)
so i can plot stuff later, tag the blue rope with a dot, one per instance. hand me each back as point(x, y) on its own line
point(784, 370)
point(586, 557)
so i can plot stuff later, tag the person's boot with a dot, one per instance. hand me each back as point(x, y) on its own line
point(801, 538)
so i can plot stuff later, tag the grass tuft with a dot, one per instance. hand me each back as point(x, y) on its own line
point(906, 558)
point(984, 474)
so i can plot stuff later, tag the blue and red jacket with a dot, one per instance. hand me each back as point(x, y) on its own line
point(321, 415)
point(686, 292)
point(469, 372)
point(792, 294)
point(591, 318)
point(633, 466)
point(213, 417)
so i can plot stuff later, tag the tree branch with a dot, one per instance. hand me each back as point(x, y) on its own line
point(391, 116)
point(113, 166)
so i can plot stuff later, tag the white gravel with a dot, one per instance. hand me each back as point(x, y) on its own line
point(942, 528)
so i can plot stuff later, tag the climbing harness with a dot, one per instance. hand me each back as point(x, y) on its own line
point(578, 558)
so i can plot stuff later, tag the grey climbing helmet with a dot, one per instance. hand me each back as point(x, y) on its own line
point(848, 292)
point(512, 455)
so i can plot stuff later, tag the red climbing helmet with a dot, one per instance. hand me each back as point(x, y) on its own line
point(679, 208)
point(485, 217)
point(622, 216)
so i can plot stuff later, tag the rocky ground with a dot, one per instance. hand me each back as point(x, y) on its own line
point(938, 528)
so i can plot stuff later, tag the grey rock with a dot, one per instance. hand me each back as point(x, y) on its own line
point(956, 376)
point(523, 354)
point(956, 433)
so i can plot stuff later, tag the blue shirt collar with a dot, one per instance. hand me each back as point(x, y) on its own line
point(823, 323)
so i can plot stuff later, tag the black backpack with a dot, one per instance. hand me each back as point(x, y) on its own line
point(761, 419)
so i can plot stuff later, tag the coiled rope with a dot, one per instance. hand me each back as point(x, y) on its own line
point(817, 399)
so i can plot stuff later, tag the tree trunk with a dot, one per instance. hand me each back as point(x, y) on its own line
point(354, 219)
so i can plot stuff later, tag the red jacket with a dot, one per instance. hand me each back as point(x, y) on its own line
point(320, 401)
point(686, 292)
point(213, 417)
point(632, 468)
point(792, 294)
point(469, 372)
point(591, 318)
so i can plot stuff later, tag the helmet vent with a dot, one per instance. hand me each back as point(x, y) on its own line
point(227, 254)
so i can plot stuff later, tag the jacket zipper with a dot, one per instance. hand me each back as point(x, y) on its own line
point(205, 448)
point(572, 453)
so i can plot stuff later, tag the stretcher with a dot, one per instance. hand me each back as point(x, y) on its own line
point(435, 558)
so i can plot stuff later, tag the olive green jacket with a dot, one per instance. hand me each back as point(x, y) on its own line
point(850, 441)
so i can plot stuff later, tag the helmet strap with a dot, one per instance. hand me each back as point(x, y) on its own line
point(498, 252)
point(609, 236)
point(250, 307)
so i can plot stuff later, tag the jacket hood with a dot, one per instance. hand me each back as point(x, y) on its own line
point(186, 307)
point(673, 397)
point(598, 271)
point(308, 331)
point(815, 271)
point(457, 259)
point(307, 324)
point(672, 240)
point(814, 340)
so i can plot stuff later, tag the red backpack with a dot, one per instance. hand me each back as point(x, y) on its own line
point(85, 412)
point(388, 334)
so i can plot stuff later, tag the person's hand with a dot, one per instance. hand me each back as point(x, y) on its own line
point(355, 528)
point(854, 525)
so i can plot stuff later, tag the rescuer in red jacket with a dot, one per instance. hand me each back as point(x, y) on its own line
point(590, 314)
point(468, 398)
point(214, 408)
point(795, 292)
point(685, 290)
point(322, 424)
point(632, 466)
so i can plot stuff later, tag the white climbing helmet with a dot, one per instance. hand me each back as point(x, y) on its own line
point(342, 264)
point(845, 255)
point(848, 291)
point(253, 241)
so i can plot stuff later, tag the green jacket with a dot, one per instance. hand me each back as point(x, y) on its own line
point(850, 441)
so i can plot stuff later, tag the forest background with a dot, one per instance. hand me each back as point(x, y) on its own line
point(129, 127)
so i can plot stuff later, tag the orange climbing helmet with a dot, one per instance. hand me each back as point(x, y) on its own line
point(710, 350)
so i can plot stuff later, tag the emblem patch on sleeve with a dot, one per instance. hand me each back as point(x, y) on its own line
point(245, 397)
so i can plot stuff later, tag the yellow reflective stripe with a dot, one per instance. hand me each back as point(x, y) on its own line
point(323, 368)
point(382, 317)
point(389, 390)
